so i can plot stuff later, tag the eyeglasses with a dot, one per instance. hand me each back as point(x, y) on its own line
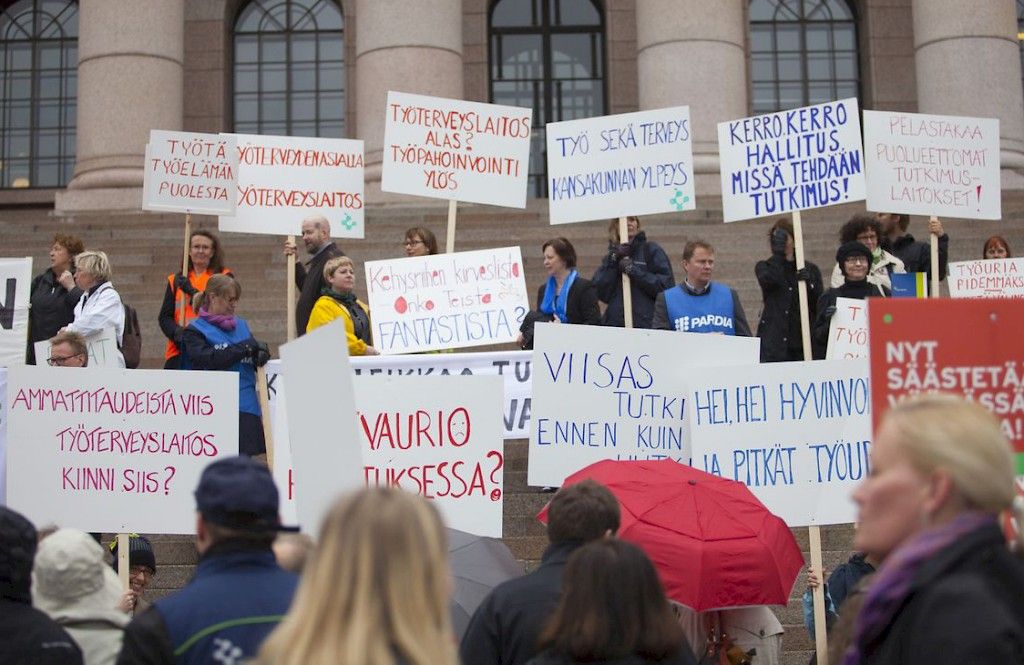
point(410, 243)
point(57, 361)
point(856, 259)
point(867, 236)
point(144, 571)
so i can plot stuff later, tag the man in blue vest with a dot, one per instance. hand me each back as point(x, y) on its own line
point(700, 305)
point(238, 594)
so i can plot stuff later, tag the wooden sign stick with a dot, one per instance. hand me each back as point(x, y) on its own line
point(290, 276)
point(627, 291)
point(934, 286)
point(449, 245)
point(182, 306)
point(123, 548)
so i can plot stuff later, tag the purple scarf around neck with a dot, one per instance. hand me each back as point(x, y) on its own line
point(892, 583)
point(225, 322)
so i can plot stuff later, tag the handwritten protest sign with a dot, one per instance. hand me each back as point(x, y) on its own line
point(987, 278)
point(15, 284)
point(969, 347)
point(437, 436)
point(457, 150)
point(190, 172)
point(115, 450)
point(3, 436)
point(612, 393)
point(797, 434)
point(619, 165)
point(326, 460)
point(776, 163)
point(284, 179)
point(101, 346)
point(446, 301)
point(848, 330)
point(514, 368)
point(932, 164)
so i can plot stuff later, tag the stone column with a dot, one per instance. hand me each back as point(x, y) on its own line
point(406, 51)
point(129, 81)
point(968, 63)
point(693, 52)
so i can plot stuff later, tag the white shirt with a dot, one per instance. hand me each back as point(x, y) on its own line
point(99, 310)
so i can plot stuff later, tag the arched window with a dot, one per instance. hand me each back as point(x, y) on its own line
point(801, 52)
point(38, 92)
point(548, 55)
point(289, 76)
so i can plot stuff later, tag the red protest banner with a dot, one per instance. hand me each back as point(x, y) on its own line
point(969, 347)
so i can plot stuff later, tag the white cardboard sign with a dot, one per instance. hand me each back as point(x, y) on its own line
point(190, 172)
point(804, 158)
point(922, 164)
point(797, 434)
point(848, 330)
point(612, 393)
point(285, 179)
point(321, 422)
point(446, 301)
point(457, 150)
point(15, 286)
point(102, 348)
point(618, 165)
point(987, 278)
point(115, 450)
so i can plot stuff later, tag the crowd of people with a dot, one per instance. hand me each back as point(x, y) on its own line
point(934, 580)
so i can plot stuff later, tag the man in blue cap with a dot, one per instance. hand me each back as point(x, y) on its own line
point(238, 594)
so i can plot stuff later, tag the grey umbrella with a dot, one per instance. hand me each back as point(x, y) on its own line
point(478, 565)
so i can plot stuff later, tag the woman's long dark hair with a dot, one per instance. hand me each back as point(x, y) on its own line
point(217, 260)
point(612, 606)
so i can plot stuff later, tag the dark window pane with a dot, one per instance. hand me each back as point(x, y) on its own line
point(575, 12)
point(293, 66)
point(571, 57)
point(513, 13)
point(801, 51)
point(522, 57)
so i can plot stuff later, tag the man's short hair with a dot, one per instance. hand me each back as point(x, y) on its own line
point(693, 246)
point(75, 340)
point(319, 222)
point(582, 512)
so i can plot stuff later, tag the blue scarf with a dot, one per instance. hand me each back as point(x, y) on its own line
point(553, 304)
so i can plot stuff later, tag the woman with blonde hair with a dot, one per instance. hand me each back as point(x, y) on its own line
point(339, 301)
point(375, 591)
point(948, 589)
point(100, 306)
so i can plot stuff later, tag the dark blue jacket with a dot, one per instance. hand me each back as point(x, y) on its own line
point(650, 273)
point(237, 597)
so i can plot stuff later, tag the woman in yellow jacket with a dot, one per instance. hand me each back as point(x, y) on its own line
point(338, 300)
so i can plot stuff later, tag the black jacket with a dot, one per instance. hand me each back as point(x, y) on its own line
point(310, 280)
point(857, 290)
point(684, 657)
point(917, 256)
point(505, 628)
point(779, 328)
point(965, 606)
point(580, 307)
point(52, 308)
point(650, 273)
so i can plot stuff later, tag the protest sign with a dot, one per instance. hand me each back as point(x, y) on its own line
point(797, 434)
point(456, 150)
point(325, 459)
point(190, 172)
point(101, 346)
point(115, 450)
point(987, 278)
point(446, 301)
point(778, 163)
point(969, 347)
point(620, 165)
point(848, 330)
point(284, 179)
point(439, 437)
point(612, 393)
point(513, 367)
point(922, 164)
point(3, 436)
point(15, 286)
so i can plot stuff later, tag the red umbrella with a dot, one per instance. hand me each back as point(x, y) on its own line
point(714, 544)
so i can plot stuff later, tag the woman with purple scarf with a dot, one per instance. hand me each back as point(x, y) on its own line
point(948, 590)
point(219, 340)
